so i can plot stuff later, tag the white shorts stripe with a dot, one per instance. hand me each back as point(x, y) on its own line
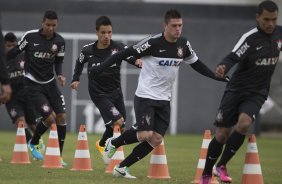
point(20, 148)
point(158, 159)
point(82, 154)
point(53, 151)
point(252, 169)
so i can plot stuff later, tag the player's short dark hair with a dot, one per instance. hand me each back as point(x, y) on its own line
point(172, 14)
point(267, 5)
point(50, 14)
point(103, 20)
point(10, 37)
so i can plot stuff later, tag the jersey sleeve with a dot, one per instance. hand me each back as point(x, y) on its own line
point(21, 46)
point(79, 65)
point(190, 57)
point(238, 54)
point(143, 48)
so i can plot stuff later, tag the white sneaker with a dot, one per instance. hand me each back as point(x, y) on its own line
point(109, 151)
point(122, 172)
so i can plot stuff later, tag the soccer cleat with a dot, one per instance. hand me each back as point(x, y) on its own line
point(100, 148)
point(221, 173)
point(206, 179)
point(41, 145)
point(109, 151)
point(35, 151)
point(122, 172)
point(64, 164)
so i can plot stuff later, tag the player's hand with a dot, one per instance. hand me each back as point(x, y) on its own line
point(220, 71)
point(6, 93)
point(74, 85)
point(62, 80)
point(138, 63)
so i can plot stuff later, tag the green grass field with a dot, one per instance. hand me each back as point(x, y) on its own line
point(182, 153)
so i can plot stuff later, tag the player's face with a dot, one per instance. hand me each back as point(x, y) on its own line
point(267, 21)
point(9, 45)
point(173, 28)
point(49, 27)
point(104, 35)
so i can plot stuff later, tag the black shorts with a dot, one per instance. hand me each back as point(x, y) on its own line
point(111, 106)
point(234, 103)
point(20, 106)
point(45, 97)
point(152, 115)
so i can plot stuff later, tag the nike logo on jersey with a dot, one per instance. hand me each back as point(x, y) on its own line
point(258, 48)
point(162, 50)
point(36, 44)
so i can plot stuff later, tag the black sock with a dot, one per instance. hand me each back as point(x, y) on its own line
point(139, 152)
point(233, 144)
point(128, 137)
point(28, 135)
point(62, 129)
point(214, 151)
point(39, 131)
point(107, 134)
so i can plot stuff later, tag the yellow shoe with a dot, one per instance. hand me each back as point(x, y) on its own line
point(100, 148)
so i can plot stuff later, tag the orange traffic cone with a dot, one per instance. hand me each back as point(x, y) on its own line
point(252, 170)
point(158, 164)
point(20, 154)
point(202, 159)
point(82, 161)
point(118, 156)
point(52, 155)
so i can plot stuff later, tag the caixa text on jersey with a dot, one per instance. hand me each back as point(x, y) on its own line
point(44, 55)
point(169, 62)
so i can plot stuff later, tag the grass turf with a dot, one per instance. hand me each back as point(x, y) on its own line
point(182, 153)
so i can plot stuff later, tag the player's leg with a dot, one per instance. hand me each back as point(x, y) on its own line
point(248, 110)
point(36, 95)
point(154, 118)
point(226, 117)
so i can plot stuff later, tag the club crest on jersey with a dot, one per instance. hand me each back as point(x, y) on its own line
point(13, 112)
point(21, 63)
point(45, 108)
point(279, 45)
point(114, 111)
point(180, 51)
point(114, 51)
point(54, 48)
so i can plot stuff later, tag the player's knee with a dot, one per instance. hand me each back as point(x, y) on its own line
point(50, 119)
point(222, 136)
point(61, 119)
point(243, 123)
point(156, 139)
point(119, 122)
point(144, 135)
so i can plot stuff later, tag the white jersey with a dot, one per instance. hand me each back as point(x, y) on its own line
point(160, 64)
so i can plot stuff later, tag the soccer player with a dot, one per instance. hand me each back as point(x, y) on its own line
point(44, 52)
point(19, 107)
point(257, 54)
point(4, 78)
point(6, 91)
point(105, 90)
point(161, 57)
